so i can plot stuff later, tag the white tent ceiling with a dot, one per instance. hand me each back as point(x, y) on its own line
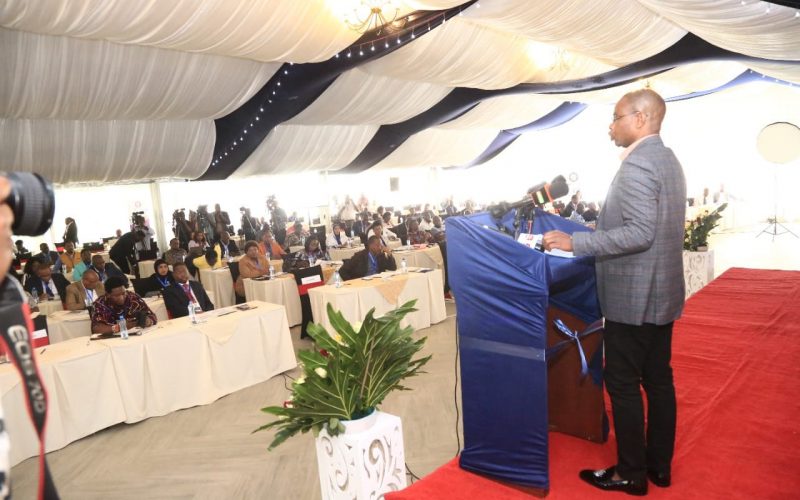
point(126, 90)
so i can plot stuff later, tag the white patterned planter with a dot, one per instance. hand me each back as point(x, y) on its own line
point(364, 462)
point(698, 270)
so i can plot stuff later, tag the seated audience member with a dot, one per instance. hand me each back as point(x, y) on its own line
point(269, 247)
point(198, 245)
point(47, 256)
point(590, 214)
point(306, 257)
point(88, 288)
point(577, 214)
point(377, 230)
point(252, 265)
point(47, 285)
point(119, 302)
point(338, 238)
point(361, 227)
point(175, 253)
point(210, 260)
point(161, 278)
point(183, 292)
point(426, 224)
point(387, 220)
point(123, 251)
point(226, 247)
point(570, 207)
point(371, 260)
point(83, 265)
point(30, 270)
point(415, 235)
point(20, 252)
point(67, 260)
point(106, 270)
point(297, 238)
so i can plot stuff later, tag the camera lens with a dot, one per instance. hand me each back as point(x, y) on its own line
point(32, 201)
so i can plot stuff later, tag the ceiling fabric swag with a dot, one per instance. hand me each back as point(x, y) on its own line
point(435, 147)
point(465, 54)
point(756, 29)
point(357, 97)
point(300, 148)
point(66, 78)
point(262, 30)
point(631, 33)
point(504, 112)
point(68, 151)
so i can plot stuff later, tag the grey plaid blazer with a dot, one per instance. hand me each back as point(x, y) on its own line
point(638, 244)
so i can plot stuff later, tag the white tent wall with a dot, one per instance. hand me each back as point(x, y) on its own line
point(713, 136)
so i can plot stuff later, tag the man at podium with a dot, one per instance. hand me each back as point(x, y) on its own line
point(638, 248)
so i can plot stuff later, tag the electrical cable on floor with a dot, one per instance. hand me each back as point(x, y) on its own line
point(414, 477)
point(455, 393)
point(288, 388)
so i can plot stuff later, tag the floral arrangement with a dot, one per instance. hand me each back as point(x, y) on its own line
point(349, 374)
point(696, 233)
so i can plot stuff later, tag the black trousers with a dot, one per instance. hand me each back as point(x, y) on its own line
point(640, 356)
point(308, 317)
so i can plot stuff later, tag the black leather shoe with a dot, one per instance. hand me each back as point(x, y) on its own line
point(660, 479)
point(603, 479)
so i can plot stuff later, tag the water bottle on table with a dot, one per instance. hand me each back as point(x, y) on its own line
point(192, 313)
point(403, 266)
point(271, 272)
point(123, 327)
point(337, 279)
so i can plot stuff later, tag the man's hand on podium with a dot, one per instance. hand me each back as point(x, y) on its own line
point(557, 239)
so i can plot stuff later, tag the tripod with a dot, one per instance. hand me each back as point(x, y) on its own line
point(774, 227)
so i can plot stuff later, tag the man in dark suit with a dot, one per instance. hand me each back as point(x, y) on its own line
point(106, 270)
point(177, 297)
point(638, 247)
point(71, 231)
point(372, 260)
point(47, 256)
point(123, 251)
point(47, 285)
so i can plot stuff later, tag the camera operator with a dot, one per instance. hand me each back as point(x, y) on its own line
point(221, 217)
point(139, 224)
point(181, 228)
point(204, 224)
point(250, 225)
point(278, 219)
point(27, 204)
point(123, 253)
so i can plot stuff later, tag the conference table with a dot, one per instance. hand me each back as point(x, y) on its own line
point(174, 365)
point(66, 325)
point(47, 307)
point(429, 257)
point(220, 282)
point(384, 292)
point(146, 268)
point(282, 290)
point(343, 253)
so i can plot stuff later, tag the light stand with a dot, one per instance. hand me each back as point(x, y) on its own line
point(774, 227)
point(778, 143)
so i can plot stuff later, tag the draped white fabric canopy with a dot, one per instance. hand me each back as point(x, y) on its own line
point(127, 90)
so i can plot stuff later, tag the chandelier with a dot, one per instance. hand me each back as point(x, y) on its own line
point(375, 15)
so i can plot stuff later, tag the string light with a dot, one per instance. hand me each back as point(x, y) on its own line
point(386, 45)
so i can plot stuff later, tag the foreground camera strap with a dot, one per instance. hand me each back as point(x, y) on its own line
point(16, 325)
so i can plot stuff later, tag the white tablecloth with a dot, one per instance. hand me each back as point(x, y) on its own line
point(66, 325)
point(355, 300)
point(50, 306)
point(344, 253)
point(146, 268)
point(94, 385)
point(282, 290)
point(220, 282)
point(430, 257)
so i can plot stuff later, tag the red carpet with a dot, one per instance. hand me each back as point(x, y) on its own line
point(736, 359)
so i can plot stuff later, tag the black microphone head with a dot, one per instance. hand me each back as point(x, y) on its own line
point(558, 187)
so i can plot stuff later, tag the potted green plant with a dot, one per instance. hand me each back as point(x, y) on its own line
point(344, 380)
point(695, 237)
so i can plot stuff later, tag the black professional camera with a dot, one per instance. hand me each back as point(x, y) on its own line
point(32, 201)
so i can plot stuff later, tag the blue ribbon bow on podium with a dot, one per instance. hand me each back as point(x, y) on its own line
point(576, 337)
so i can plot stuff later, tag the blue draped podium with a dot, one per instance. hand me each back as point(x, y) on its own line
point(508, 296)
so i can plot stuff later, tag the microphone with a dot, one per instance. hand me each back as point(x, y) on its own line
point(544, 192)
point(538, 195)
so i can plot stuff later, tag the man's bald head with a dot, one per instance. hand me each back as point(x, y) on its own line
point(651, 105)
